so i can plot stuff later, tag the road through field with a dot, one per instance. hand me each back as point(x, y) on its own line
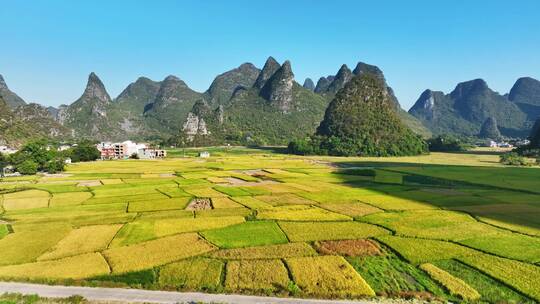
point(151, 296)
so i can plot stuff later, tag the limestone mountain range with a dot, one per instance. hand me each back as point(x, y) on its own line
point(472, 104)
point(263, 106)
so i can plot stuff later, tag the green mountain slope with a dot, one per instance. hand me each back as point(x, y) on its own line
point(466, 108)
point(328, 86)
point(224, 85)
point(26, 123)
point(362, 119)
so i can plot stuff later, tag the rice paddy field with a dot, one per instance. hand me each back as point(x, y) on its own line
point(440, 227)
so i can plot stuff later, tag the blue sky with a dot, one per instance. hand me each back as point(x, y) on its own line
point(48, 48)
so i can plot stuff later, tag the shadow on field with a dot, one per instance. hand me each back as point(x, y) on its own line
point(509, 196)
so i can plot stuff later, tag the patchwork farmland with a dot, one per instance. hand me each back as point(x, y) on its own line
point(443, 227)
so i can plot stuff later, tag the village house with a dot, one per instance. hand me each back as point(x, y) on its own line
point(125, 149)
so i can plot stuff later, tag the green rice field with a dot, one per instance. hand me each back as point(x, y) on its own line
point(438, 227)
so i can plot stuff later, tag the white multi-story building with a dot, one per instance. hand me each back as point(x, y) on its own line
point(128, 148)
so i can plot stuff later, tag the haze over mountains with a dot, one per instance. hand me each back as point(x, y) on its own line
point(261, 106)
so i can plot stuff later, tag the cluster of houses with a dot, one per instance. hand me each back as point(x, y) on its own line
point(127, 149)
point(504, 144)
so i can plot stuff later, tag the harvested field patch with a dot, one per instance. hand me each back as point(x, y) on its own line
point(156, 252)
point(192, 274)
point(246, 235)
point(301, 213)
point(256, 276)
point(69, 199)
point(349, 248)
point(307, 232)
point(419, 251)
point(157, 205)
point(77, 267)
point(83, 240)
point(199, 204)
point(328, 276)
point(280, 251)
point(454, 285)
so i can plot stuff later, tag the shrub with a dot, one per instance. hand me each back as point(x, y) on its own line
point(37, 156)
point(513, 159)
point(84, 152)
point(446, 144)
point(27, 167)
point(55, 165)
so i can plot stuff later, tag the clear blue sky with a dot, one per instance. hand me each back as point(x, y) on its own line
point(48, 48)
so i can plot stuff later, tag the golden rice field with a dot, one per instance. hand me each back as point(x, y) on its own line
point(440, 227)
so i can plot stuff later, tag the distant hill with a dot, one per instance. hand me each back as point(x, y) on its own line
point(11, 99)
point(471, 103)
point(274, 109)
point(27, 122)
point(362, 119)
point(328, 86)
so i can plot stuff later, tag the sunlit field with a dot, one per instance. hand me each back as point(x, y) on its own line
point(455, 227)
